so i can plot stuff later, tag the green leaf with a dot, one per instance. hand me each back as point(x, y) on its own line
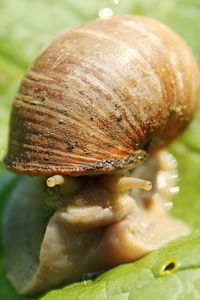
point(186, 202)
point(142, 279)
point(182, 285)
point(191, 137)
point(8, 182)
point(28, 26)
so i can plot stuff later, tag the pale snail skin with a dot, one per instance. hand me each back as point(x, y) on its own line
point(82, 235)
point(100, 99)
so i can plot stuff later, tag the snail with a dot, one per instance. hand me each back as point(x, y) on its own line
point(88, 124)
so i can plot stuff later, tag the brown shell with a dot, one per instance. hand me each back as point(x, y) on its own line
point(102, 96)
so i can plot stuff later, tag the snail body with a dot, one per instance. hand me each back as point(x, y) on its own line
point(100, 99)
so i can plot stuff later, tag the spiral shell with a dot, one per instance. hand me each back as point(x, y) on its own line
point(101, 97)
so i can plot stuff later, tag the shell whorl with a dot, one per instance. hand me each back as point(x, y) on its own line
point(102, 96)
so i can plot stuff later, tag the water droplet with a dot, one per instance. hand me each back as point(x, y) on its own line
point(168, 205)
point(174, 189)
point(105, 13)
point(114, 2)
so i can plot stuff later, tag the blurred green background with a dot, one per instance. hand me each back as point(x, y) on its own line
point(27, 26)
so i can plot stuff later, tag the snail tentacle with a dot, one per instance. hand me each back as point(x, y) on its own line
point(55, 180)
point(122, 183)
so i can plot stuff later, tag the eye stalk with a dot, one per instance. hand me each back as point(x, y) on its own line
point(69, 184)
point(55, 180)
point(122, 183)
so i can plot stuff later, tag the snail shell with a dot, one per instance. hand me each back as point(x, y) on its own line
point(102, 97)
